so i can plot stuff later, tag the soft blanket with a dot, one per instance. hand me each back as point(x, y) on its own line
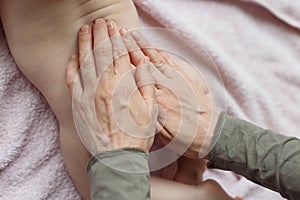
point(255, 46)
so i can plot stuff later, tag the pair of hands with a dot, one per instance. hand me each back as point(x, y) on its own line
point(124, 91)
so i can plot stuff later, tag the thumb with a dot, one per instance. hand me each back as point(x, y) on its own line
point(72, 77)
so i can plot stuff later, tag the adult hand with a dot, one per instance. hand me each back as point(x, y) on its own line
point(182, 93)
point(109, 110)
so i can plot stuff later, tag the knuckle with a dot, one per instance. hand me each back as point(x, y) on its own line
point(103, 49)
point(157, 60)
point(151, 69)
point(143, 43)
point(130, 43)
point(119, 51)
point(87, 63)
point(85, 39)
point(122, 61)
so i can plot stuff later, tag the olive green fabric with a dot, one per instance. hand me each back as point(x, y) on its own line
point(264, 157)
point(120, 175)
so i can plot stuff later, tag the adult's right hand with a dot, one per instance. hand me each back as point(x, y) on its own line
point(189, 114)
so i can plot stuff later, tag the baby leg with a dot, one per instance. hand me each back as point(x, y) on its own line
point(170, 190)
point(162, 188)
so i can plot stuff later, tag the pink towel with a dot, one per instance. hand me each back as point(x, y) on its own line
point(31, 164)
point(255, 44)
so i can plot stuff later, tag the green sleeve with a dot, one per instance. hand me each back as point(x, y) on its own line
point(120, 175)
point(264, 157)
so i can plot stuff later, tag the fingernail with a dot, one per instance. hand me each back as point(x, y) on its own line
point(124, 32)
point(136, 35)
point(99, 21)
point(84, 29)
point(110, 24)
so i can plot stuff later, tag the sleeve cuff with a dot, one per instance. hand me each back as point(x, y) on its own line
point(217, 134)
point(113, 158)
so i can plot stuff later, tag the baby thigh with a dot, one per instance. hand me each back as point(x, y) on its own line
point(76, 159)
point(162, 189)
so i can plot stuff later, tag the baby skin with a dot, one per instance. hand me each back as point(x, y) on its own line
point(93, 38)
point(42, 35)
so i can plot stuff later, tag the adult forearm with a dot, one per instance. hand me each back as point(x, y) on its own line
point(264, 157)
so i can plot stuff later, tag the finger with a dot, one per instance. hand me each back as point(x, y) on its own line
point(180, 66)
point(120, 53)
point(170, 61)
point(148, 49)
point(156, 75)
point(87, 64)
point(145, 82)
point(102, 46)
point(153, 54)
point(72, 77)
point(135, 53)
point(167, 58)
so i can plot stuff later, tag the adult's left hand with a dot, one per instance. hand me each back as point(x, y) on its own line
point(109, 109)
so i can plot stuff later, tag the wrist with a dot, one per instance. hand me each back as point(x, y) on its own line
point(212, 137)
point(132, 160)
